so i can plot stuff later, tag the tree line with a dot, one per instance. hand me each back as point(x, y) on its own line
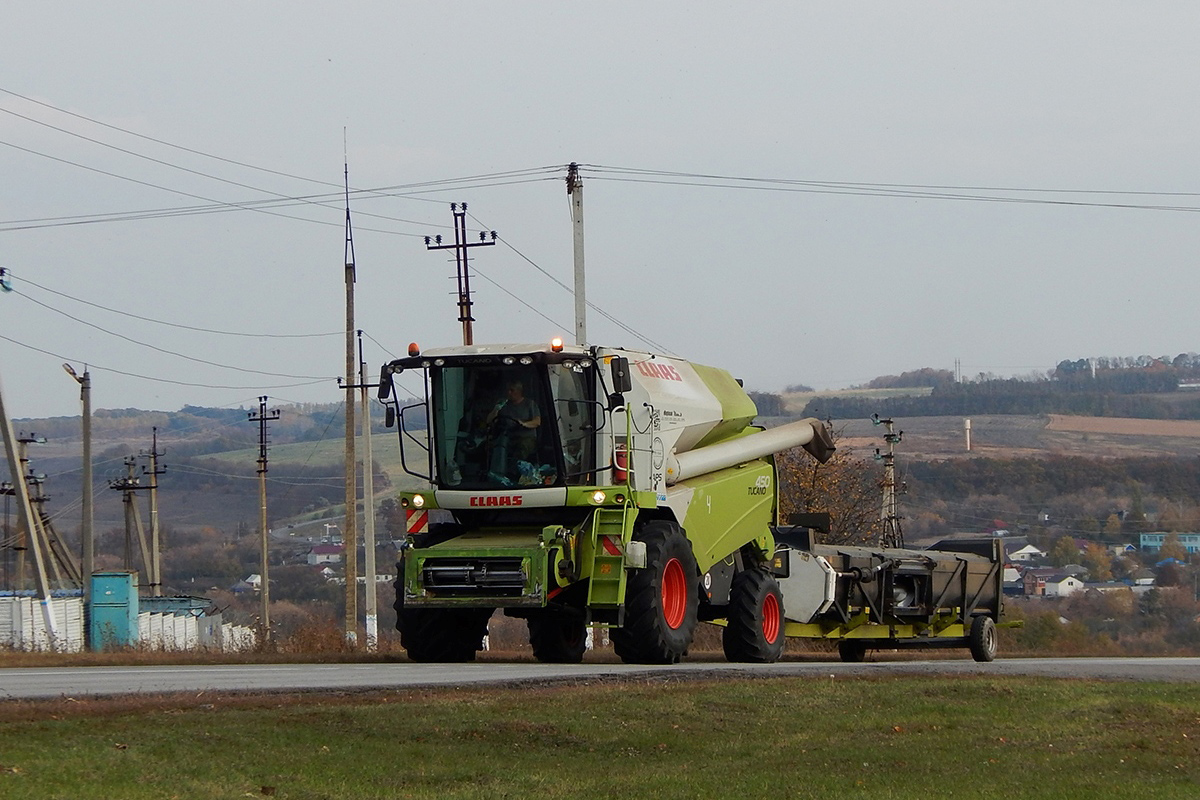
point(1082, 396)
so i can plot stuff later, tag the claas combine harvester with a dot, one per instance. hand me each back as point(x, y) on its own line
point(581, 486)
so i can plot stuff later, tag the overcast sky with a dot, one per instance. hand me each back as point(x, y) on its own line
point(836, 264)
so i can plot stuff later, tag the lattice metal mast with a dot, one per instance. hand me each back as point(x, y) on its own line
point(893, 535)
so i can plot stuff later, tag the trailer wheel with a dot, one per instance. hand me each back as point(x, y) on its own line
point(755, 629)
point(852, 651)
point(661, 600)
point(558, 637)
point(443, 634)
point(983, 640)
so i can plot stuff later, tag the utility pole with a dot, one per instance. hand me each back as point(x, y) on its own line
point(25, 514)
point(26, 477)
point(62, 563)
point(350, 528)
point(372, 596)
point(462, 261)
point(7, 490)
point(153, 471)
point(892, 535)
point(372, 599)
point(37, 499)
point(87, 525)
point(262, 418)
point(129, 486)
point(575, 192)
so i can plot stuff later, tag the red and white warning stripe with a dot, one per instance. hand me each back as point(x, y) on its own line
point(416, 520)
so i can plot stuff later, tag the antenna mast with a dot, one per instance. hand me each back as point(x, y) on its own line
point(892, 536)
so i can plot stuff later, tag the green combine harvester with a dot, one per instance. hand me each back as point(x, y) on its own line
point(575, 486)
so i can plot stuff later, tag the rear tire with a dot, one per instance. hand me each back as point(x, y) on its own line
point(661, 600)
point(852, 651)
point(982, 639)
point(558, 637)
point(754, 632)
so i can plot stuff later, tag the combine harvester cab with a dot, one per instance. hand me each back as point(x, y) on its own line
point(588, 485)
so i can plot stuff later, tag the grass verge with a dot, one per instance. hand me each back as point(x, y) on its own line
point(776, 737)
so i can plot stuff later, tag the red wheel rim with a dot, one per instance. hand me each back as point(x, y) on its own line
point(770, 618)
point(674, 594)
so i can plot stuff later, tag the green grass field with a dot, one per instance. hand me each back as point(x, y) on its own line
point(753, 738)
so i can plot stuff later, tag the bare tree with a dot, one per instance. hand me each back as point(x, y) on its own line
point(848, 487)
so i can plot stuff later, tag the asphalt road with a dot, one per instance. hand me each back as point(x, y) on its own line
point(93, 681)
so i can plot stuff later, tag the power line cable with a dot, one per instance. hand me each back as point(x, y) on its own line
point(164, 350)
point(230, 206)
point(291, 199)
point(172, 324)
point(866, 190)
point(876, 185)
point(151, 377)
point(222, 159)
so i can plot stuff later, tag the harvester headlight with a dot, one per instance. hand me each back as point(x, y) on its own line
point(526, 360)
point(598, 497)
point(439, 362)
point(418, 501)
point(508, 360)
point(404, 502)
point(425, 364)
point(619, 499)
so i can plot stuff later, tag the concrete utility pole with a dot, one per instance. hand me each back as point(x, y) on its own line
point(27, 477)
point(86, 528)
point(153, 471)
point(25, 515)
point(372, 595)
point(129, 486)
point(350, 528)
point(262, 418)
point(460, 247)
point(575, 192)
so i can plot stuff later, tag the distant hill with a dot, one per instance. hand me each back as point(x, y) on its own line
point(210, 456)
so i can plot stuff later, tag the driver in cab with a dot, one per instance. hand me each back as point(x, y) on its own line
point(517, 418)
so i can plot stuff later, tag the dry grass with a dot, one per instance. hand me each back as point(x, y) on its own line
point(1123, 426)
point(856, 737)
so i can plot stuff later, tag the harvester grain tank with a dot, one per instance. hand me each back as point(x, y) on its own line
point(592, 485)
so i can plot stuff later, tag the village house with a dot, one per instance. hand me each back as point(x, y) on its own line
point(325, 554)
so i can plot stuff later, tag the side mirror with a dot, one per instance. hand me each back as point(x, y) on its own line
point(385, 384)
point(389, 416)
point(622, 382)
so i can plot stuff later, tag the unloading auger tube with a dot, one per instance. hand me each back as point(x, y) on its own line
point(809, 433)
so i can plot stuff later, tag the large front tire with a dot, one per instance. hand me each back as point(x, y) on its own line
point(439, 635)
point(754, 632)
point(558, 637)
point(443, 635)
point(661, 600)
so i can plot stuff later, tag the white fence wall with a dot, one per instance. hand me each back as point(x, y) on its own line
point(23, 627)
point(23, 624)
